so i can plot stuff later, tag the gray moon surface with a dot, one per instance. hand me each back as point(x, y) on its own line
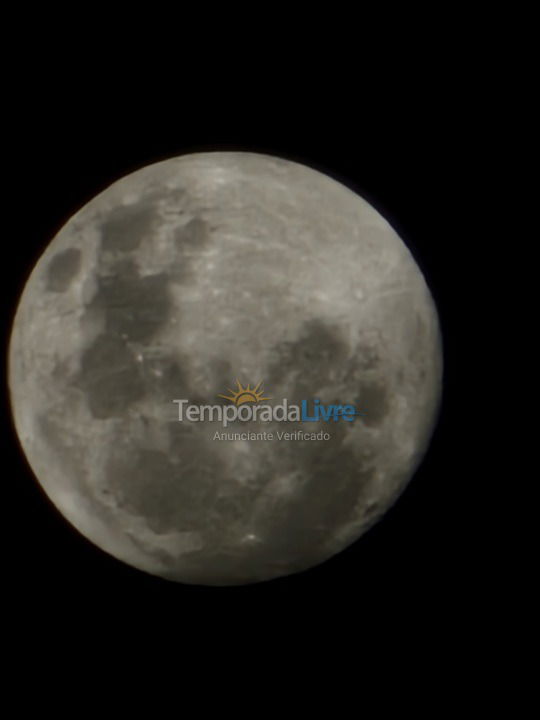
point(172, 283)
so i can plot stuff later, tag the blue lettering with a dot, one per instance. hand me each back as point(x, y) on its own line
point(305, 416)
point(348, 413)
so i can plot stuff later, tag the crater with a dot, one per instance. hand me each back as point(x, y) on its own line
point(62, 269)
point(373, 401)
point(171, 497)
point(314, 359)
point(367, 357)
point(164, 377)
point(109, 377)
point(126, 227)
point(192, 235)
point(189, 239)
point(336, 480)
point(134, 307)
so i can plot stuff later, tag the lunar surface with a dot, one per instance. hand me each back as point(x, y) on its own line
point(174, 283)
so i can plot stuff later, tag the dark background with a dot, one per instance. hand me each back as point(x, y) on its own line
point(408, 159)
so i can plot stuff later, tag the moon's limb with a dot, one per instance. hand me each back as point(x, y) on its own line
point(173, 282)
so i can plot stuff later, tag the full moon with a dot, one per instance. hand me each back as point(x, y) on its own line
point(238, 275)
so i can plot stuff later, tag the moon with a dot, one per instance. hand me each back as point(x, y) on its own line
point(175, 282)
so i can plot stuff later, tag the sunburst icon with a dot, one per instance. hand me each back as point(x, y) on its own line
point(245, 394)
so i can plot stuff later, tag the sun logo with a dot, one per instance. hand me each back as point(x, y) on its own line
point(245, 394)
